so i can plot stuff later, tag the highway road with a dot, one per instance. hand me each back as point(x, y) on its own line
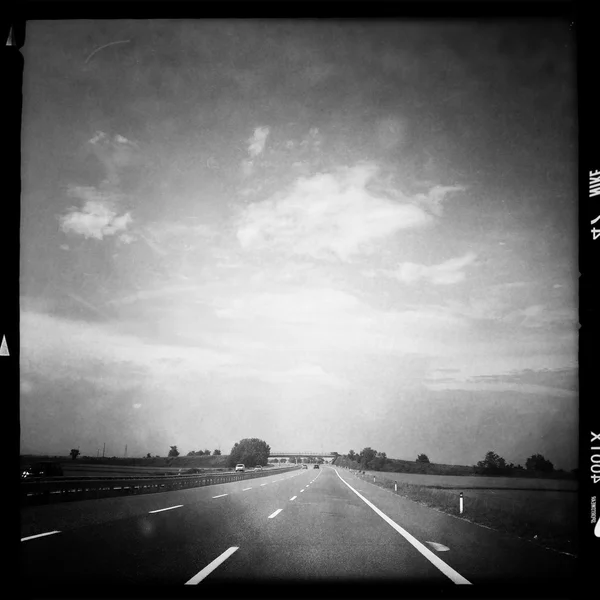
point(299, 526)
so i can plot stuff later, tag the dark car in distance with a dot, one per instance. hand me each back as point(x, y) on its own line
point(316, 466)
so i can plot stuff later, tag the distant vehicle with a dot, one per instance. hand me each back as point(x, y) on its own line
point(258, 468)
point(240, 467)
point(42, 469)
point(316, 466)
point(305, 466)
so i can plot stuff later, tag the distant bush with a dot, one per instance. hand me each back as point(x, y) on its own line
point(537, 462)
point(422, 458)
point(492, 464)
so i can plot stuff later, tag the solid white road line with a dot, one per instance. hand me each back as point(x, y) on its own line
point(275, 513)
point(246, 489)
point(293, 497)
point(220, 495)
point(32, 537)
point(212, 566)
point(163, 509)
point(428, 554)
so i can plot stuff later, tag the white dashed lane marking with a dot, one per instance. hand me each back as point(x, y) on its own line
point(275, 513)
point(163, 509)
point(212, 566)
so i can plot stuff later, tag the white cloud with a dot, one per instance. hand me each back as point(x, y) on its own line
point(446, 273)
point(327, 216)
point(256, 143)
point(98, 217)
point(433, 200)
point(137, 405)
point(94, 220)
point(98, 137)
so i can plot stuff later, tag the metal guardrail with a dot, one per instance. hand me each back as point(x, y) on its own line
point(61, 489)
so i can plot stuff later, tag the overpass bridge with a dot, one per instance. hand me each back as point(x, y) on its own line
point(303, 455)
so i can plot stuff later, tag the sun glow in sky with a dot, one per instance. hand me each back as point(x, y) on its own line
point(324, 235)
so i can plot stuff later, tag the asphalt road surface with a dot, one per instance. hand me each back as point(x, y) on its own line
point(314, 525)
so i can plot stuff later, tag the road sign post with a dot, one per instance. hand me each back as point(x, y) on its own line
point(461, 503)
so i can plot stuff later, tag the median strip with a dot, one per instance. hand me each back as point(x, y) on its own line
point(39, 535)
point(212, 566)
point(163, 509)
point(275, 513)
point(428, 554)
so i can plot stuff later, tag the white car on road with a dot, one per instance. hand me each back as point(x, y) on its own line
point(240, 467)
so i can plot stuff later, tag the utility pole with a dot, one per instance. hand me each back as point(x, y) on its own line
point(98, 453)
point(103, 449)
point(125, 450)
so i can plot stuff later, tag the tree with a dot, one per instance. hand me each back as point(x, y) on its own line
point(74, 453)
point(492, 463)
point(377, 463)
point(366, 456)
point(206, 452)
point(422, 458)
point(537, 462)
point(173, 451)
point(352, 455)
point(250, 451)
point(148, 455)
point(216, 452)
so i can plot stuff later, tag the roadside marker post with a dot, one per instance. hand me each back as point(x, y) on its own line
point(461, 503)
point(395, 487)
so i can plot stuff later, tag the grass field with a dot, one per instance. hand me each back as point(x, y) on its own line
point(541, 510)
point(477, 481)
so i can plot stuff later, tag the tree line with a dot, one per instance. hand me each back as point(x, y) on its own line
point(492, 464)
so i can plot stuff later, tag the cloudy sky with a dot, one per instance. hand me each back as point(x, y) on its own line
point(325, 235)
